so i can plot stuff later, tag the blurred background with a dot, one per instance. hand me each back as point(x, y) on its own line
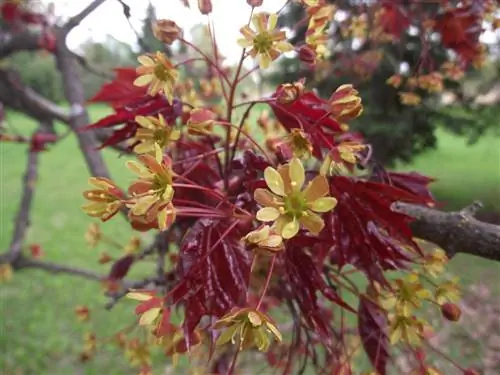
point(454, 137)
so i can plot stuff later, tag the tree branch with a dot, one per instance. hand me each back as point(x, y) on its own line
point(454, 232)
point(90, 68)
point(22, 221)
point(74, 93)
point(23, 262)
point(11, 42)
point(75, 20)
point(16, 95)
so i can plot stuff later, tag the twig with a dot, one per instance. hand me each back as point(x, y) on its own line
point(455, 232)
point(23, 215)
point(135, 285)
point(75, 20)
point(90, 68)
point(23, 262)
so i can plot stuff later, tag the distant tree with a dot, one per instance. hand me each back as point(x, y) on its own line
point(358, 55)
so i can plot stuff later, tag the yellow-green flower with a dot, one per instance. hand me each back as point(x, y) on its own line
point(105, 199)
point(264, 240)
point(407, 295)
point(247, 327)
point(434, 263)
point(157, 72)
point(153, 135)
point(152, 193)
point(267, 43)
point(93, 235)
point(408, 329)
point(287, 205)
point(447, 291)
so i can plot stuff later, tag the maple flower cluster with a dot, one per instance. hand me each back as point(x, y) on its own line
point(266, 213)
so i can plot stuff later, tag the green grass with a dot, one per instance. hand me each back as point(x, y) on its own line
point(39, 332)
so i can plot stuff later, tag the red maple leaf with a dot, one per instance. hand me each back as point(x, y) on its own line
point(214, 271)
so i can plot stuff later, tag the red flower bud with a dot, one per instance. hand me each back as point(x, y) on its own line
point(471, 371)
point(451, 311)
point(307, 55)
point(205, 6)
point(255, 3)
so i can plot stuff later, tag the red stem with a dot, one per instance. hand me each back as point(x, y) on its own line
point(239, 128)
point(268, 280)
point(207, 59)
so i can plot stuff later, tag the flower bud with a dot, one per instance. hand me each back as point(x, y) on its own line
point(471, 371)
point(166, 31)
point(345, 103)
point(307, 55)
point(290, 92)
point(255, 3)
point(201, 121)
point(451, 311)
point(205, 6)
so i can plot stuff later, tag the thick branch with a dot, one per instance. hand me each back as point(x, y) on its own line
point(75, 20)
point(16, 95)
point(455, 232)
point(74, 93)
point(11, 42)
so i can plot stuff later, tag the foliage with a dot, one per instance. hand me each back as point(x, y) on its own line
point(387, 41)
point(256, 229)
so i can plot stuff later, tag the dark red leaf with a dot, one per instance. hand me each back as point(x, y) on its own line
point(364, 229)
point(214, 272)
point(10, 11)
point(305, 279)
point(460, 29)
point(121, 90)
point(372, 326)
point(411, 182)
point(311, 114)
point(395, 19)
point(121, 267)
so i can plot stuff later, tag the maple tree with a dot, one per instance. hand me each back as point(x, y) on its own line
point(262, 231)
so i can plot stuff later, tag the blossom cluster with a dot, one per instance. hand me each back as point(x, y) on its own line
point(269, 215)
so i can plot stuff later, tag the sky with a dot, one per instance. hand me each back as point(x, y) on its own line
point(228, 15)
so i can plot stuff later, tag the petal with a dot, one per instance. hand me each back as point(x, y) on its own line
point(297, 174)
point(280, 223)
point(144, 122)
point(144, 147)
point(227, 335)
point(146, 60)
point(284, 47)
point(267, 214)
point(138, 296)
point(243, 43)
point(313, 222)
point(149, 316)
point(317, 188)
point(264, 61)
point(284, 171)
point(143, 80)
point(274, 181)
point(267, 199)
point(258, 235)
point(324, 204)
point(258, 20)
point(272, 241)
point(272, 21)
point(137, 168)
point(290, 229)
point(248, 33)
point(276, 333)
